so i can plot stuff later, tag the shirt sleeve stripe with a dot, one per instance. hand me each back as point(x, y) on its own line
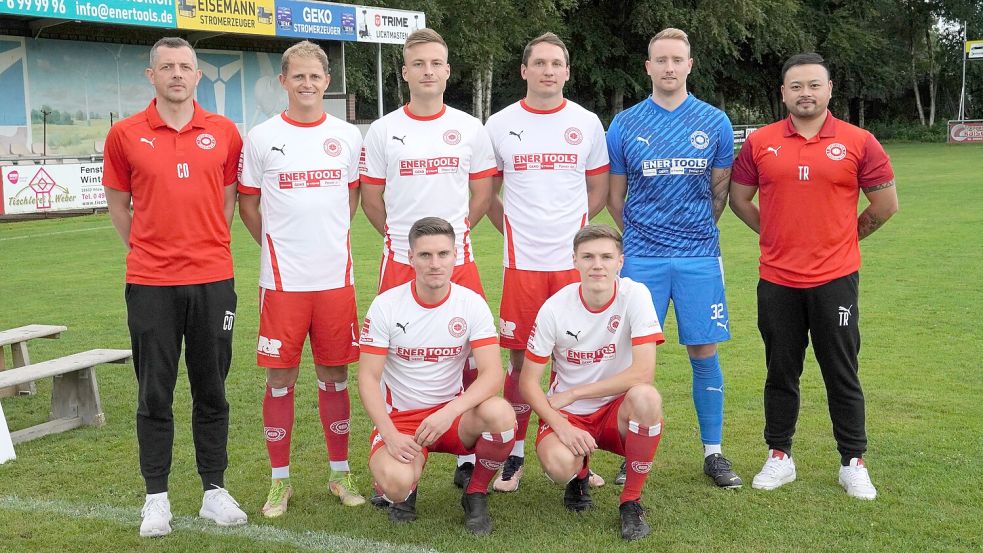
point(658, 338)
point(603, 168)
point(250, 190)
point(536, 358)
point(481, 342)
point(365, 179)
point(353, 184)
point(483, 174)
point(375, 350)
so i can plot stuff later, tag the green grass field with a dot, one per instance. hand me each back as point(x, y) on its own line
point(82, 491)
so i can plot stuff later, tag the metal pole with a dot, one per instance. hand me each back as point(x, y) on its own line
point(378, 82)
point(962, 92)
point(44, 132)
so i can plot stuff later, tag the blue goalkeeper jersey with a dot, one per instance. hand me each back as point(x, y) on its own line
point(667, 157)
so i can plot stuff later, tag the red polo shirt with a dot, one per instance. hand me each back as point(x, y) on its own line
point(808, 194)
point(177, 180)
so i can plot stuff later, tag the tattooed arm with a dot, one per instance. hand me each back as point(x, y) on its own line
point(719, 184)
point(883, 200)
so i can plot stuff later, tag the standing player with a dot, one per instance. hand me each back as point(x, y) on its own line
point(811, 168)
point(177, 163)
point(601, 335)
point(415, 342)
point(671, 154)
point(426, 157)
point(552, 156)
point(302, 167)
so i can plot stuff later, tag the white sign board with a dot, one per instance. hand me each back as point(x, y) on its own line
point(55, 187)
point(386, 26)
point(974, 49)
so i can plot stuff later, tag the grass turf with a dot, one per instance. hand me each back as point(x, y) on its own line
point(82, 490)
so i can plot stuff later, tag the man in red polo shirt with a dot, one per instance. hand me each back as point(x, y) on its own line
point(811, 168)
point(177, 163)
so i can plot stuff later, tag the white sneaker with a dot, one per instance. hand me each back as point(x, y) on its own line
point(156, 515)
point(779, 470)
point(856, 481)
point(219, 506)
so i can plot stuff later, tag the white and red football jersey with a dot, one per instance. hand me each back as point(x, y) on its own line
point(303, 172)
point(588, 346)
point(425, 346)
point(544, 158)
point(426, 165)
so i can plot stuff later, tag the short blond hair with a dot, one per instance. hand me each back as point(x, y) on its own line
point(303, 49)
point(423, 36)
point(545, 38)
point(669, 33)
point(597, 232)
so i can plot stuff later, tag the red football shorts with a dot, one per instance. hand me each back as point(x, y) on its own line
point(407, 422)
point(393, 273)
point(602, 425)
point(523, 293)
point(330, 317)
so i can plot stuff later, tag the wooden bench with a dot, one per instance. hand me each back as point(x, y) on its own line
point(74, 395)
point(17, 339)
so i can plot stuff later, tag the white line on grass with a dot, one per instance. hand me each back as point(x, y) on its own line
point(54, 233)
point(257, 532)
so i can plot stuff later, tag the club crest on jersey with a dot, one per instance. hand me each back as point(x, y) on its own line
point(332, 147)
point(836, 151)
point(205, 141)
point(699, 140)
point(573, 136)
point(613, 323)
point(274, 434)
point(457, 327)
point(452, 137)
point(340, 427)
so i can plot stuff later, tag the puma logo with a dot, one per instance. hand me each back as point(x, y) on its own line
point(722, 325)
point(774, 150)
point(575, 336)
point(712, 389)
point(517, 134)
point(645, 140)
point(280, 149)
point(402, 326)
point(400, 139)
point(149, 141)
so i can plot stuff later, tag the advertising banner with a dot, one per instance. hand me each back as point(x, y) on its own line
point(251, 17)
point(961, 132)
point(56, 187)
point(387, 26)
point(317, 20)
point(974, 49)
point(146, 13)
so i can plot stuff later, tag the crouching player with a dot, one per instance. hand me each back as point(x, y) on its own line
point(601, 334)
point(414, 344)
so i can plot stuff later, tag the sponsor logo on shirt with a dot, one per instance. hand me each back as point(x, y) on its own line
point(613, 323)
point(836, 151)
point(365, 331)
point(544, 162)
point(573, 136)
point(309, 179)
point(332, 147)
point(452, 137)
point(428, 354)
point(604, 353)
point(428, 166)
point(457, 327)
point(507, 328)
point(674, 166)
point(205, 141)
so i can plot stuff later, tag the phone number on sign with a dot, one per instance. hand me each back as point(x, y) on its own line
point(37, 6)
